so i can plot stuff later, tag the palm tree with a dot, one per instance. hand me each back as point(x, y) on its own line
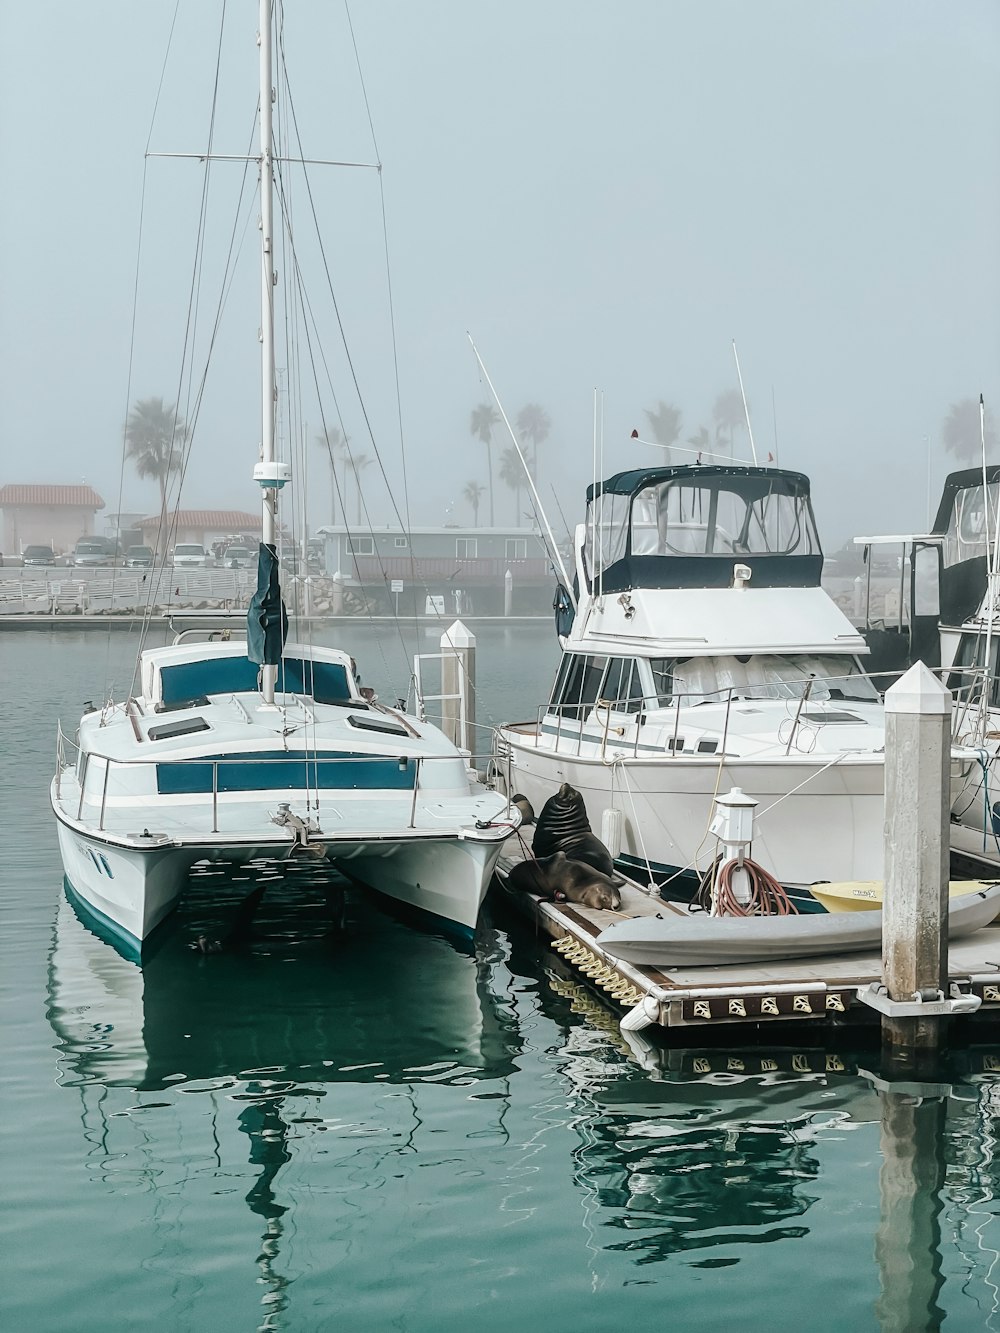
point(357, 463)
point(473, 492)
point(665, 423)
point(332, 442)
point(535, 423)
point(960, 431)
point(484, 418)
point(154, 440)
point(512, 475)
point(728, 413)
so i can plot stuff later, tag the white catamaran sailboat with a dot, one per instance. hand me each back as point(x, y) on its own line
point(229, 751)
point(702, 654)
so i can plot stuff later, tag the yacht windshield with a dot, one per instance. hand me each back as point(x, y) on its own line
point(761, 676)
point(728, 517)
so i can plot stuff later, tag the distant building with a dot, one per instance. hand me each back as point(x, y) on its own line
point(465, 566)
point(53, 516)
point(206, 526)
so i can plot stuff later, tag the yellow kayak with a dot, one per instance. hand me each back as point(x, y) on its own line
point(865, 895)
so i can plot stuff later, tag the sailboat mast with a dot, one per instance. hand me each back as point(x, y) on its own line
point(268, 382)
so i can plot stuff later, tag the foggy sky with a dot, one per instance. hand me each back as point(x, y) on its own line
point(605, 195)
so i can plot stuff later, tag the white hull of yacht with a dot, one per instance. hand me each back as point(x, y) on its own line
point(814, 821)
point(129, 887)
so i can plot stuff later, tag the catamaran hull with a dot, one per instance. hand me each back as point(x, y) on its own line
point(128, 891)
point(825, 821)
point(443, 880)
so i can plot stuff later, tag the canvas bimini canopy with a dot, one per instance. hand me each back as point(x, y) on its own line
point(679, 527)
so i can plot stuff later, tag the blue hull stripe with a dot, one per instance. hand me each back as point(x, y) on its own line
point(682, 888)
point(102, 926)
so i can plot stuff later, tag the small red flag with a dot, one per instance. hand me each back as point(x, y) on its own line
point(770, 458)
point(635, 435)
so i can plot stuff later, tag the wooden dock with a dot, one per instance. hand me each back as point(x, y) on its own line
point(810, 990)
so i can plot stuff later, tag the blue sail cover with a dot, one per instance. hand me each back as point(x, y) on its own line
point(267, 619)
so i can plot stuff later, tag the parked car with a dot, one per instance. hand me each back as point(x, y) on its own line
point(190, 555)
point(239, 557)
point(94, 551)
point(38, 555)
point(138, 557)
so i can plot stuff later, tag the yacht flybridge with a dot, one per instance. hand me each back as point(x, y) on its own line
point(700, 653)
point(946, 613)
point(229, 751)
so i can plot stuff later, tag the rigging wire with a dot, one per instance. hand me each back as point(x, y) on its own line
point(132, 330)
point(392, 314)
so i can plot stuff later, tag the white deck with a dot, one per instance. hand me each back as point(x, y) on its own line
point(816, 989)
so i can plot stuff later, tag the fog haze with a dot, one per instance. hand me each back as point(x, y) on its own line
point(604, 195)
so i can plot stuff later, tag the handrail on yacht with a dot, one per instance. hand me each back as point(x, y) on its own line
point(314, 761)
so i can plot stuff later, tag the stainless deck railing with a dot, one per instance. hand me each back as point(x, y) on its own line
point(631, 713)
point(314, 791)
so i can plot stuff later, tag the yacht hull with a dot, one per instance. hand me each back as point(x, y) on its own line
point(825, 822)
point(129, 889)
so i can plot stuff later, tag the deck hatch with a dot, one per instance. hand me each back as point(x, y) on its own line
point(377, 724)
point(187, 726)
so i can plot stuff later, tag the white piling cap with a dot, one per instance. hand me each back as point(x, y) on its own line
point(736, 796)
point(458, 636)
point(918, 691)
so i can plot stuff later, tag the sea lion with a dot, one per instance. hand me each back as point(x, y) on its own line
point(563, 826)
point(524, 805)
point(559, 879)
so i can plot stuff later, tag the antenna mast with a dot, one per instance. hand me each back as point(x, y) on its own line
point(268, 384)
point(746, 410)
point(539, 507)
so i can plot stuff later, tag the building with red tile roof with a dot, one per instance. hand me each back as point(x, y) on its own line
point(46, 515)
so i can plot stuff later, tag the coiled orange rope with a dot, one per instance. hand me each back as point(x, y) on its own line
point(767, 896)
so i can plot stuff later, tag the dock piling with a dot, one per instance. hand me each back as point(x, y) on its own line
point(915, 900)
point(458, 686)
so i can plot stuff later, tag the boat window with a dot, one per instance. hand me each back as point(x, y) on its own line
point(685, 517)
point(617, 687)
point(576, 690)
point(926, 580)
point(663, 680)
point(325, 682)
point(965, 538)
point(263, 772)
point(607, 532)
point(966, 677)
point(768, 676)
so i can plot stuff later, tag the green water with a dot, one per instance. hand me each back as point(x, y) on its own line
point(382, 1132)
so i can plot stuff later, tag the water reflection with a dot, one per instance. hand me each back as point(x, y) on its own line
point(708, 1154)
point(508, 1102)
point(265, 1030)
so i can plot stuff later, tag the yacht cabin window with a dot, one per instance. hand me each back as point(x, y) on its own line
point(582, 681)
point(966, 678)
point(695, 680)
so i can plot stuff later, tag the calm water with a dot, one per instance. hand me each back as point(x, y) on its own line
point(385, 1133)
